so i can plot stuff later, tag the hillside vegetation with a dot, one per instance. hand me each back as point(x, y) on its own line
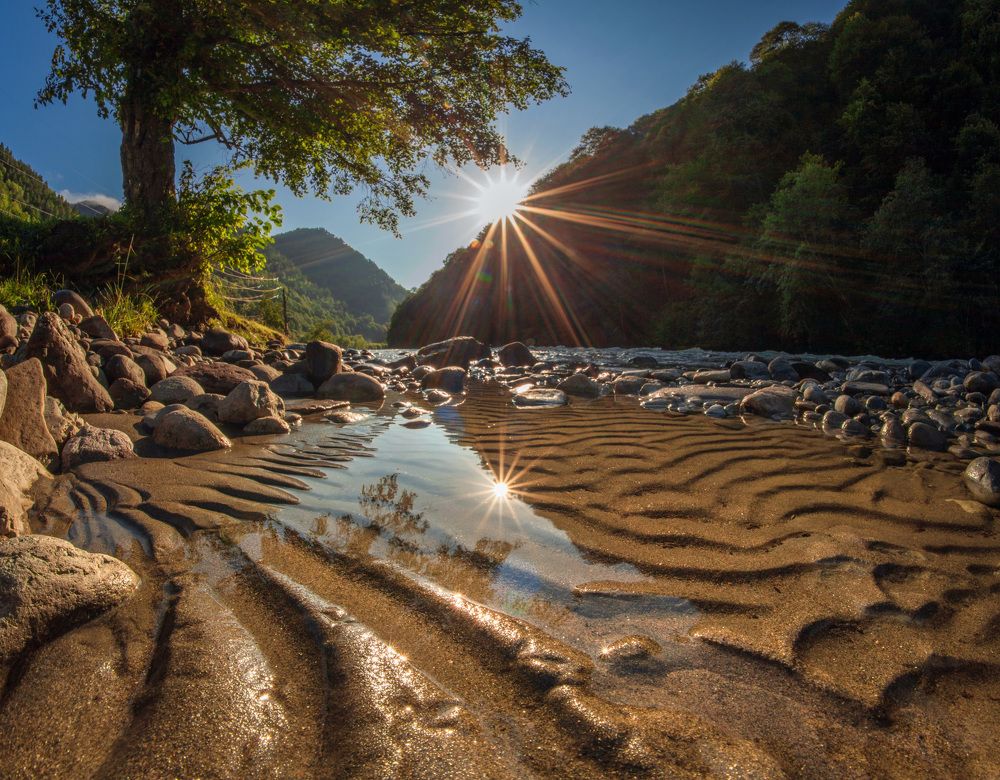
point(838, 192)
point(24, 194)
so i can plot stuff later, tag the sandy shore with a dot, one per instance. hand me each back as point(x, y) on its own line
point(800, 608)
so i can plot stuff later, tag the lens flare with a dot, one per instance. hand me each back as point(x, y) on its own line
point(500, 197)
point(501, 489)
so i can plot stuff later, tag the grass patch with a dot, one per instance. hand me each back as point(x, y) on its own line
point(128, 313)
point(24, 288)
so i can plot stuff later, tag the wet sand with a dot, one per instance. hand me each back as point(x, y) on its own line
point(797, 607)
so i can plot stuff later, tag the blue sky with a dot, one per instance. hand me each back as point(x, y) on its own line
point(623, 59)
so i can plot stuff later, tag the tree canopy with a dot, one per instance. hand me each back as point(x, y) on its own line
point(322, 95)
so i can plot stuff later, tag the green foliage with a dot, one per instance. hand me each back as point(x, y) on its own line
point(26, 288)
point(322, 96)
point(24, 195)
point(839, 193)
point(218, 224)
point(128, 313)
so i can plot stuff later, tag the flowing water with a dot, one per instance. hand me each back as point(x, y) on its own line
point(597, 590)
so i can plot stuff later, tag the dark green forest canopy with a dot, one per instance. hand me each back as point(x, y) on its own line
point(838, 192)
point(24, 195)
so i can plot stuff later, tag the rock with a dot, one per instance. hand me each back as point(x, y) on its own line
point(94, 445)
point(852, 427)
point(175, 390)
point(248, 401)
point(351, 387)
point(206, 404)
point(815, 394)
point(80, 306)
point(18, 474)
point(581, 385)
point(718, 376)
point(155, 366)
point(628, 385)
point(640, 361)
point(810, 371)
point(517, 354)
point(992, 363)
point(345, 416)
point(781, 370)
point(322, 360)
point(265, 373)
point(833, 420)
point(97, 327)
point(22, 422)
point(437, 397)
point(48, 586)
point(982, 478)
point(188, 350)
point(128, 394)
point(866, 373)
point(61, 423)
point(121, 367)
point(715, 410)
point(67, 374)
point(749, 369)
point(847, 405)
point(865, 388)
point(186, 430)
point(918, 368)
point(926, 437)
point(984, 382)
point(155, 340)
point(266, 425)
point(218, 341)
point(774, 401)
point(293, 386)
point(541, 396)
point(451, 379)
point(217, 377)
point(458, 351)
point(8, 329)
point(893, 434)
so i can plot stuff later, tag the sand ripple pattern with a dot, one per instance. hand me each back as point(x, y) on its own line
point(821, 615)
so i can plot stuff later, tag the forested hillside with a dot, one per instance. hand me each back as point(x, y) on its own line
point(347, 274)
point(25, 195)
point(840, 191)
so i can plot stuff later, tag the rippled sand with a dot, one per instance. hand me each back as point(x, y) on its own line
point(358, 601)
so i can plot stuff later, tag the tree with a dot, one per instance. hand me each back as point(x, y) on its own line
point(323, 95)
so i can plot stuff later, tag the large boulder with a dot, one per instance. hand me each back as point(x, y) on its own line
point(516, 354)
point(982, 478)
point(458, 351)
point(155, 365)
point(175, 390)
point(186, 430)
point(96, 445)
point(351, 387)
point(48, 586)
point(322, 361)
point(216, 377)
point(773, 401)
point(80, 306)
point(67, 372)
point(217, 341)
point(450, 379)
point(22, 422)
point(248, 401)
point(293, 386)
point(18, 474)
point(8, 329)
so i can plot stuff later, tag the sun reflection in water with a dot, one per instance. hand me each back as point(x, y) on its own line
point(501, 489)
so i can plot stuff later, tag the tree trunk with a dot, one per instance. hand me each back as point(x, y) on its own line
point(148, 166)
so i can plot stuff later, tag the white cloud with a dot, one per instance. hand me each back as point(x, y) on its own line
point(97, 197)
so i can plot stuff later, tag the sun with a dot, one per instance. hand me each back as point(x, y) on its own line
point(500, 196)
point(501, 489)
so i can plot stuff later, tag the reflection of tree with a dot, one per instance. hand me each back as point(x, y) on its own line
point(388, 507)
